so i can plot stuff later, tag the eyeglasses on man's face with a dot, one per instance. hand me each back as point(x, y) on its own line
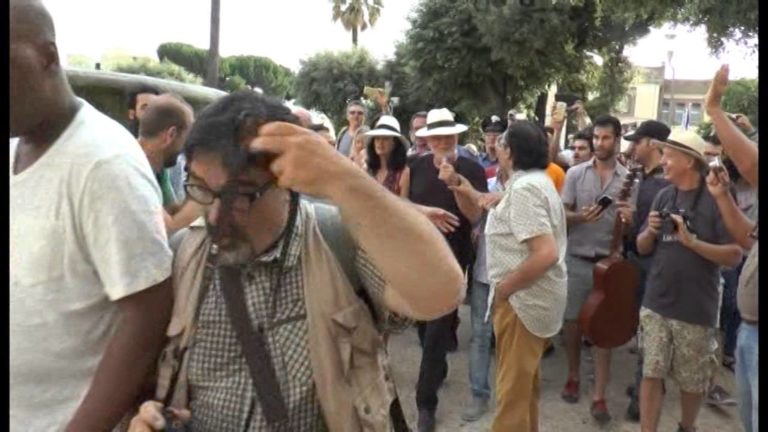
point(239, 194)
point(355, 113)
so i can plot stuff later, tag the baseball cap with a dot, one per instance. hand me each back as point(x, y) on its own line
point(649, 129)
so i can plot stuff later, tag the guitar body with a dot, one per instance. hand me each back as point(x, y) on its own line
point(609, 317)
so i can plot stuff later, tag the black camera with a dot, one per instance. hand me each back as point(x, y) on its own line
point(687, 219)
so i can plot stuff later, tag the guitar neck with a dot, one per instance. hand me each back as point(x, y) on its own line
point(619, 226)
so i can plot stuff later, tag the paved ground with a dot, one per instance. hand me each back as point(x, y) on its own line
point(556, 415)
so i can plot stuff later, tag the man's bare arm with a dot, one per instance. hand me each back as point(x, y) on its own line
point(742, 151)
point(187, 213)
point(127, 361)
point(736, 222)
point(394, 234)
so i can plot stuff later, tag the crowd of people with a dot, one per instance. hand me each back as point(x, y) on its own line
point(240, 268)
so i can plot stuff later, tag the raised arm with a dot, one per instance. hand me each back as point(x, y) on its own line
point(739, 147)
point(380, 222)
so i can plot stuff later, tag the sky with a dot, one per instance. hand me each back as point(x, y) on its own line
point(288, 31)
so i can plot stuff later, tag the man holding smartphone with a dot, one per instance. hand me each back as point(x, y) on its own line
point(590, 228)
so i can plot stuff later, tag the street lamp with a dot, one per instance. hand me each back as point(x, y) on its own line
point(671, 37)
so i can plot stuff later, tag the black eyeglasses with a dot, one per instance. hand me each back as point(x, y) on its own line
point(230, 192)
point(356, 112)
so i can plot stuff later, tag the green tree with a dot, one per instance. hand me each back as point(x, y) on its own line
point(261, 72)
point(356, 15)
point(741, 98)
point(327, 80)
point(187, 56)
point(735, 20)
point(485, 57)
point(153, 68)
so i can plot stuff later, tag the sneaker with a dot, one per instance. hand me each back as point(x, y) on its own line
point(631, 391)
point(570, 392)
point(426, 421)
point(729, 363)
point(718, 396)
point(682, 429)
point(475, 410)
point(633, 411)
point(599, 411)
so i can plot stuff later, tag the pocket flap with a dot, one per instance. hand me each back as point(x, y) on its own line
point(356, 325)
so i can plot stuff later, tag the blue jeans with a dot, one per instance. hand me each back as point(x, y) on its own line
point(747, 375)
point(480, 344)
point(729, 313)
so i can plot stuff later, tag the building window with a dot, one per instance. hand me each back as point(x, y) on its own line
point(695, 113)
point(664, 112)
point(679, 113)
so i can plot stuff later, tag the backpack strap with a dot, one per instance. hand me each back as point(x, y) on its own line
point(339, 240)
point(344, 249)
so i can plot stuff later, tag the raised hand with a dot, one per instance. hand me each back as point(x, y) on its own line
point(447, 173)
point(303, 161)
point(718, 182)
point(717, 89)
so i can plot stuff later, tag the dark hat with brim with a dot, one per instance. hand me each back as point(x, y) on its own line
point(649, 129)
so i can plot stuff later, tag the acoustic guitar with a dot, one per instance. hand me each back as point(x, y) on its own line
point(609, 317)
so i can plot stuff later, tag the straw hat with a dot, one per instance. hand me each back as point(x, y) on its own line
point(387, 126)
point(688, 142)
point(440, 122)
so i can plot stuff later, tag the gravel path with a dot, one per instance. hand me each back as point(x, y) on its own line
point(555, 415)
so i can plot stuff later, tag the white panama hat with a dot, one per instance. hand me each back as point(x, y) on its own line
point(387, 126)
point(440, 122)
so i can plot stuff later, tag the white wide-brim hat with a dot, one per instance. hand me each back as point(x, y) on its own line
point(387, 126)
point(440, 122)
point(688, 142)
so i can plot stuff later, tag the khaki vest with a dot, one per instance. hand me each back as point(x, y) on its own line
point(347, 354)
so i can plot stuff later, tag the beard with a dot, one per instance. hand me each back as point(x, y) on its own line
point(133, 127)
point(234, 248)
point(171, 161)
point(236, 253)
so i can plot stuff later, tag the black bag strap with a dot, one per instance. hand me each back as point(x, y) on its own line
point(339, 240)
point(254, 346)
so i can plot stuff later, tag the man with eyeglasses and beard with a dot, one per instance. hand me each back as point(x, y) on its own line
point(279, 302)
point(355, 119)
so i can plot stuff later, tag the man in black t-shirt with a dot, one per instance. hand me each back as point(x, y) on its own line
point(431, 176)
point(647, 152)
point(686, 236)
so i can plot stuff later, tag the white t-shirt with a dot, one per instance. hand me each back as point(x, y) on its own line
point(86, 230)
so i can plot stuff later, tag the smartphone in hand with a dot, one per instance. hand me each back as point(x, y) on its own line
point(604, 202)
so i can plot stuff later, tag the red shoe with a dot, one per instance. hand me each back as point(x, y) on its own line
point(570, 392)
point(599, 411)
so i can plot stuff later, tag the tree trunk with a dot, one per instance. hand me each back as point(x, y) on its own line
point(354, 36)
point(212, 70)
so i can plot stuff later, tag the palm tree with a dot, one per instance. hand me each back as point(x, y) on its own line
point(352, 14)
point(212, 70)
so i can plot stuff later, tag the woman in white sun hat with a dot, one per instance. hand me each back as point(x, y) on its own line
point(386, 150)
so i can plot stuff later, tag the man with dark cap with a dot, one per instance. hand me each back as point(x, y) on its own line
point(492, 128)
point(647, 152)
point(89, 259)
